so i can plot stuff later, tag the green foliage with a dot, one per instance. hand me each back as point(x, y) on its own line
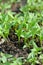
point(32, 57)
point(7, 59)
point(26, 25)
point(5, 23)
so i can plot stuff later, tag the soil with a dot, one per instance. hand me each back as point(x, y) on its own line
point(11, 46)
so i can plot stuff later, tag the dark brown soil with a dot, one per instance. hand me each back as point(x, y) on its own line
point(11, 46)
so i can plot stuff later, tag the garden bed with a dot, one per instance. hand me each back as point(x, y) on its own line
point(21, 32)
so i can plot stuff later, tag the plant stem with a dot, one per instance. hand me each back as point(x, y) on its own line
point(19, 41)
